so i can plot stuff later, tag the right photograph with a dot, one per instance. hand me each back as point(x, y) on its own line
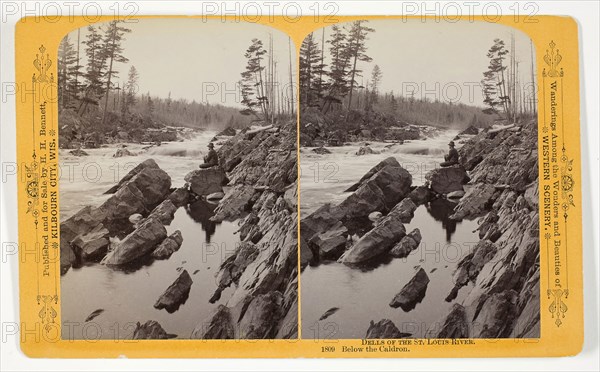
point(419, 181)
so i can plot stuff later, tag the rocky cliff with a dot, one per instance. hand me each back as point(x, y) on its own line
point(504, 266)
point(262, 170)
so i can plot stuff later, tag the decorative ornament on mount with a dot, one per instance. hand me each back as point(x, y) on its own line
point(42, 64)
point(552, 59)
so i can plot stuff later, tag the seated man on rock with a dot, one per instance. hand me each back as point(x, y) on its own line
point(452, 157)
point(211, 159)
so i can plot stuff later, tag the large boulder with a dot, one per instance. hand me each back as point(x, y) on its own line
point(140, 242)
point(446, 180)
point(164, 212)
point(384, 329)
point(412, 293)
point(380, 192)
point(206, 181)
point(377, 241)
point(405, 210)
point(331, 243)
point(170, 245)
point(391, 161)
point(218, 326)
point(92, 246)
point(148, 163)
point(476, 200)
point(176, 294)
point(407, 244)
point(140, 194)
point(320, 220)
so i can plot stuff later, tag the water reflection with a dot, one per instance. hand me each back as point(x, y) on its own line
point(201, 211)
point(441, 209)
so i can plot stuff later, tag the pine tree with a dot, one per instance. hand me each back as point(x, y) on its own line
point(113, 37)
point(372, 96)
point(252, 83)
point(96, 66)
point(310, 64)
point(338, 72)
point(357, 51)
point(494, 86)
point(129, 90)
point(67, 73)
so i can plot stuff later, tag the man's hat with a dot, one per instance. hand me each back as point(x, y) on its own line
point(211, 145)
point(451, 143)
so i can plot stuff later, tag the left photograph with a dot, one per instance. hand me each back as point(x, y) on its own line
point(178, 182)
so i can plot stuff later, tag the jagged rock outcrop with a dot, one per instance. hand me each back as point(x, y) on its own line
point(476, 200)
point(218, 326)
point(235, 203)
point(504, 265)
point(262, 316)
point(262, 169)
point(412, 293)
point(384, 329)
point(330, 244)
point(176, 294)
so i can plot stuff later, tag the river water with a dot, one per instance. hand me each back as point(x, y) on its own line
point(363, 293)
point(127, 295)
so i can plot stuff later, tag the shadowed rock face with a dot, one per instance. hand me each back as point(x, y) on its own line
point(412, 293)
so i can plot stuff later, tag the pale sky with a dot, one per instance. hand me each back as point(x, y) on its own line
point(182, 56)
point(429, 53)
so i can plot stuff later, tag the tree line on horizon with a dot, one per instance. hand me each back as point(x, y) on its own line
point(91, 91)
point(329, 81)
